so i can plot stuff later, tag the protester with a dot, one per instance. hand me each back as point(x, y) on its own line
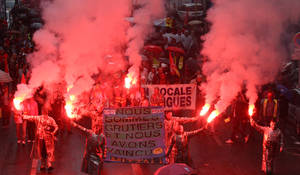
point(157, 98)
point(30, 107)
point(43, 148)
point(94, 153)
point(179, 149)
point(239, 119)
point(6, 109)
point(269, 109)
point(20, 128)
point(272, 144)
point(171, 123)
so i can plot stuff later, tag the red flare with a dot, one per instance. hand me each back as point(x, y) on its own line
point(251, 110)
point(17, 103)
point(212, 116)
point(204, 109)
point(129, 81)
point(69, 107)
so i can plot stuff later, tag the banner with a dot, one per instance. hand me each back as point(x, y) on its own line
point(177, 96)
point(135, 135)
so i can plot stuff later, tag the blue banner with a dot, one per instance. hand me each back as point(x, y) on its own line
point(135, 135)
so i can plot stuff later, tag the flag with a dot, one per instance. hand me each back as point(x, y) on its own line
point(169, 22)
point(173, 68)
point(23, 79)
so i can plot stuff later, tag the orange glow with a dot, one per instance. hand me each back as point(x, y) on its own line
point(129, 81)
point(72, 97)
point(17, 103)
point(251, 110)
point(204, 109)
point(69, 88)
point(212, 116)
point(69, 107)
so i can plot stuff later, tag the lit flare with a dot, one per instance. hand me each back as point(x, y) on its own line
point(69, 107)
point(212, 116)
point(251, 110)
point(129, 81)
point(17, 103)
point(205, 109)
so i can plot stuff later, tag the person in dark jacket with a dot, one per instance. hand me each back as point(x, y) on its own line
point(94, 153)
point(240, 121)
point(179, 146)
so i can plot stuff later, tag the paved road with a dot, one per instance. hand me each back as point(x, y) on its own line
point(211, 155)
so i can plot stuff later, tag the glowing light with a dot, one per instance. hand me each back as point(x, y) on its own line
point(17, 103)
point(69, 87)
point(212, 116)
point(129, 81)
point(69, 107)
point(251, 110)
point(69, 110)
point(72, 97)
point(205, 109)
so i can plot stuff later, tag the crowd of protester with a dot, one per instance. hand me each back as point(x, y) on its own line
point(15, 44)
point(171, 55)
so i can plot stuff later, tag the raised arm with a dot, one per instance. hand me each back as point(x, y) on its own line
point(87, 131)
point(192, 133)
point(184, 120)
point(257, 127)
point(31, 117)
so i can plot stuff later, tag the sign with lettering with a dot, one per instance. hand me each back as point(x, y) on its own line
point(177, 96)
point(135, 135)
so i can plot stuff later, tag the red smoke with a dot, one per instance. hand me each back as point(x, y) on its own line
point(81, 38)
point(244, 46)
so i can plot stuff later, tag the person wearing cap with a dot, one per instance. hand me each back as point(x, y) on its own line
point(269, 109)
point(272, 144)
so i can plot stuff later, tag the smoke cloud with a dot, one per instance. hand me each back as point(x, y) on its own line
point(82, 38)
point(143, 19)
point(244, 46)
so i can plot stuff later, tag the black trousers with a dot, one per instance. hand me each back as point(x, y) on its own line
point(31, 130)
point(239, 127)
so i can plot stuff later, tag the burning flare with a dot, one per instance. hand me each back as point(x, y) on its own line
point(130, 80)
point(17, 103)
point(205, 109)
point(69, 107)
point(251, 110)
point(212, 116)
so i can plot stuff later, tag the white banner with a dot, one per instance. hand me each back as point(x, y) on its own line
point(176, 96)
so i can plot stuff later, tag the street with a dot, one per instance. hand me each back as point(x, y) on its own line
point(210, 153)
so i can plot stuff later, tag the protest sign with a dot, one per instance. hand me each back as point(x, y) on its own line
point(177, 96)
point(135, 135)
